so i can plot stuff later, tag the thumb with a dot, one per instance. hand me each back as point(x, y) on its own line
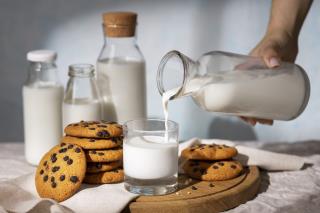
point(271, 58)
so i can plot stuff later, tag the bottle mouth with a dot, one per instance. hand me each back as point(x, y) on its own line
point(81, 70)
point(172, 72)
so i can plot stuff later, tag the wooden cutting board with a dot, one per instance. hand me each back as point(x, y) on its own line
point(201, 196)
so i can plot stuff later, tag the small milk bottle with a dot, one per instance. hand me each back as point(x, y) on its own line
point(42, 102)
point(121, 69)
point(81, 100)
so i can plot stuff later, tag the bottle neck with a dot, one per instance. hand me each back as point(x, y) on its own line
point(175, 72)
point(120, 41)
point(42, 74)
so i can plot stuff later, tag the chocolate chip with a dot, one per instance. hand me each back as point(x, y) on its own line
point(65, 158)
point(53, 157)
point(53, 184)
point(233, 166)
point(215, 167)
point(41, 171)
point(92, 128)
point(103, 134)
point(201, 148)
point(194, 188)
point(45, 178)
point(74, 179)
point(203, 171)
point(100, 153)
point(195, 169)
point(52, 179)
point(219, 147)
point(75, 124)
point(77, 150)
point(202, 145)
point(101, 125)
point(93, 152)
point(196, 163)
point(99, 165)
point(192, 150)
point(211, 185)
point(211, 146)
point(55, 168)
point(70, 146)
point(221, 163)
point(62, 177)
point(63, 150)
point(70, 161)
point(62, 144)
point(92, 140)
point(116, 171)
point(45, 163)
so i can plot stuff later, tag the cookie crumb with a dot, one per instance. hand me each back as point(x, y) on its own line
point(188, 193)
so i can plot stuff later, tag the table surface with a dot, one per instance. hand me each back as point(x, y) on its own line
point(293, 191)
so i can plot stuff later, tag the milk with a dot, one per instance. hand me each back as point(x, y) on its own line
point(267, 95)
point(122, 87)
point(81, 109)
point(42, 120)
point(149, 158)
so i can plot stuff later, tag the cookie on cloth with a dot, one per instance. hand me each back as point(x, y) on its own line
point(113, 176)
point(212, 170)
point(104, 155)
point(94, 129)
point(209, 152)
point(93, 143)
point(102, 167)
point(60, 172)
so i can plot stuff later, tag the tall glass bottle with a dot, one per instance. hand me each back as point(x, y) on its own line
point(81, 100)
point(42, 101)
point(121, 69)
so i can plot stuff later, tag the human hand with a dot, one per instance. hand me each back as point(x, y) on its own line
point(274, 48)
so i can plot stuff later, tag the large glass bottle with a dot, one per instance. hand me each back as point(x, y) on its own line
point(235, 84)
point(42, 102)
point(81, 100)
point(121, 69)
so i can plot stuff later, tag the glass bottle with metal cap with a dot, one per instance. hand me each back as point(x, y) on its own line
point(42, 101)
point(81, 100)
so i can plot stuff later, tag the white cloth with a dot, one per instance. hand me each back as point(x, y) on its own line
point(19, 195)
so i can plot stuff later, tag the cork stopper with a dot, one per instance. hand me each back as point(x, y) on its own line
point(119, 24)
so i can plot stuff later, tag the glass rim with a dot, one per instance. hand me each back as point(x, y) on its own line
point(173, 128)
point(81, 70)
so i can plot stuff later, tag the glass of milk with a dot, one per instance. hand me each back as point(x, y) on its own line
point(150, 158)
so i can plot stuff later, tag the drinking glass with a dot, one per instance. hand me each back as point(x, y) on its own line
point(150, 158)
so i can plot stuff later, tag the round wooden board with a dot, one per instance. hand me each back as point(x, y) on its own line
point(214, 196)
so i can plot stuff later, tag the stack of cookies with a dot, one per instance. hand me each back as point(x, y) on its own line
point(102, 144)
point(91, 152)
point(211, 162)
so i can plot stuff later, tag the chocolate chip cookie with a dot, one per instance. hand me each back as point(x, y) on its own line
point(93, 143)
point(94, 129)
point(60, 172)
point(104, 155)
point(209, 152)
point(113, 176)
point(102, 167)
point(212, 170)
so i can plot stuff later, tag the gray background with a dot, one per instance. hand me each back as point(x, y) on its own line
point(73, 29)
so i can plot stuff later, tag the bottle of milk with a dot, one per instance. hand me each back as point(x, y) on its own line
point(42, 102)
point(81, 101)
point(235, 84)
point(121, 69)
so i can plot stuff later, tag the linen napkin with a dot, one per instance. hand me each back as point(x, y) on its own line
point(19, 195)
